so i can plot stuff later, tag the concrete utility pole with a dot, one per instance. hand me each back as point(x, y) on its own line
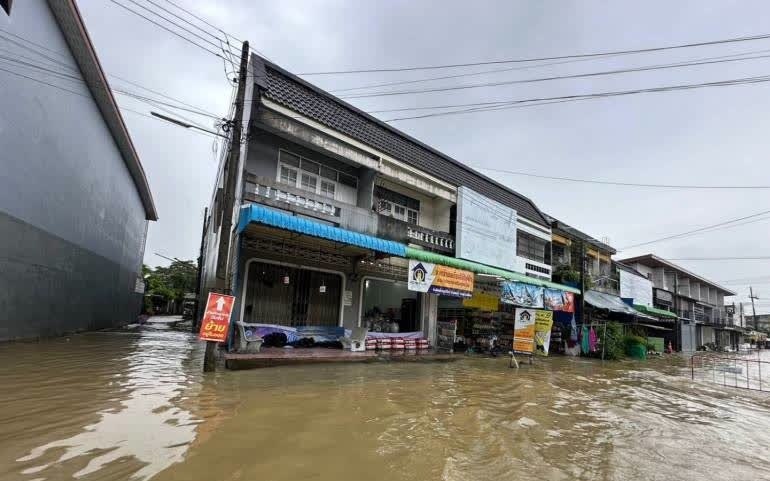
point(582, 282)
point(223, 283)
point(753, 310)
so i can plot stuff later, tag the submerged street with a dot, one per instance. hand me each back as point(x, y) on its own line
point(120, 405)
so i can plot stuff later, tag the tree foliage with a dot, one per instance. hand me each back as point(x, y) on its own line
point(172, 282)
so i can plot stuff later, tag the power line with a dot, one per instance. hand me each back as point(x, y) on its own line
point(705, 61)
point(701, 229)
point(511, 104)
point(206, 22)
point(61, 64)
point(625, 184)
point(526, 60)
point(738, 258)
point(169, 30)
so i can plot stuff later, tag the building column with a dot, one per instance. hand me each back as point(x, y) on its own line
point(366, 180)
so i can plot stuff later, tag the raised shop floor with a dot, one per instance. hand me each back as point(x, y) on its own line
point(273, 356)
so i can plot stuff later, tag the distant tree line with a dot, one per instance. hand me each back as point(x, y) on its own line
point(165, 287)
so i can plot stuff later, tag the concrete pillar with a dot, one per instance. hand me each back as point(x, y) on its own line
point(429, 316)
point(366, 180)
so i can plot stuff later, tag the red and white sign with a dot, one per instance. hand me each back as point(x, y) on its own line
point(216, 318)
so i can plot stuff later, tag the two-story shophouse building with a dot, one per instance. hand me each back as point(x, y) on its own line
point(697, 301)
point(334, 207)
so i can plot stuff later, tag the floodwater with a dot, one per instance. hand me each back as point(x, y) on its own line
point(135, 406)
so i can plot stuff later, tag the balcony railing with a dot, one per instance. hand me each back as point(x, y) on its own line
point(400, 231)
point(269, 192)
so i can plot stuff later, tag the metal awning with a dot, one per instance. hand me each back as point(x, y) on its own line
point(434, 258)
point(613, 304)
point(659, 328)
point(654, 311)
point(255, 213)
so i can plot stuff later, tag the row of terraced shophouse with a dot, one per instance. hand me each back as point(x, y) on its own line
point(338, 216)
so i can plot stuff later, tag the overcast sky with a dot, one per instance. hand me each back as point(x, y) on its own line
point(705, 136)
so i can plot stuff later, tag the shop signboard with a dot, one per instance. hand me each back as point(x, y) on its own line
point(636, 287)
point(524, 331)
point(558, 300)
point(438, 279)
point(216, 318)
point(521, 294)
point(445, 340)
point(486, 230)
point(543, 325)
point(481, 300)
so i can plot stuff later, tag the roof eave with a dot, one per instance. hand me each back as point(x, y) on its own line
point(543, 220)
point(74, 30)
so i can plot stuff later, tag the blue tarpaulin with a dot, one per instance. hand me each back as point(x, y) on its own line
point(262, 215)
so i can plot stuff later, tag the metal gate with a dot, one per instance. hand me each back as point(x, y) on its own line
point(688, 337)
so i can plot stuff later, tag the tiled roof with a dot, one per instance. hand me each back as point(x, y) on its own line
point(304, 98)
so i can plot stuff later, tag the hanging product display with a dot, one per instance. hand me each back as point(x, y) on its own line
point(521, 294)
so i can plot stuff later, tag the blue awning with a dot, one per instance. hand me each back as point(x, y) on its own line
point(262, 215)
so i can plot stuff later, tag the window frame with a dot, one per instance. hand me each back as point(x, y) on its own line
point(320, 172)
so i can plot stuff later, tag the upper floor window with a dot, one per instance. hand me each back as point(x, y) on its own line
point(312, 176)
point(396, 205)
point(530, 247)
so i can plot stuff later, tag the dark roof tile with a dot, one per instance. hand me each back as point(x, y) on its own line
point(304, 98)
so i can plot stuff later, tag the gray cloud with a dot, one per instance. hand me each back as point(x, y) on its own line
point(703, 136)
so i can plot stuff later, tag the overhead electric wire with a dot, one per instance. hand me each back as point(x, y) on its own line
point(538, 59)
point(627, 184)
point(76, 71)
point(173, 32)
point(701, 229)
point(503, 105)
point(737, 258)
point(698, 62)
point(206, 22)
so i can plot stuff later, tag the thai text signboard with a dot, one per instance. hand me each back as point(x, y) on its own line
point(438, 279)
point(216, 318)
point(524, 331)
point(543, 325)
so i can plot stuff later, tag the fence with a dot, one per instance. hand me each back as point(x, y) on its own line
point(738, 371)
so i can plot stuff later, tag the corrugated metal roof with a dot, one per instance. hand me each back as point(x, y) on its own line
point(292, 92)
point(570, 231)
point(263, 215)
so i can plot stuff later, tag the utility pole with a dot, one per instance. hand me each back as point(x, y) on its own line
point(753, 309)
point(232, 164)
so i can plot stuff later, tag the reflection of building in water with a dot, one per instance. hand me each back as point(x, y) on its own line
point(148, 426)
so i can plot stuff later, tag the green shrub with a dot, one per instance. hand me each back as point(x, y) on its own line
point(631, 339)
point(614, 344)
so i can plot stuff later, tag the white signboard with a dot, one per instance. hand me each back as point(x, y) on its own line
point(486, 230)
point(636, 287)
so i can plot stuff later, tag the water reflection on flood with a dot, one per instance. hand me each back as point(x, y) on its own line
point(121, 406)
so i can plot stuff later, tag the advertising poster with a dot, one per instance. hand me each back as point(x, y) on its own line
point(483, 301)
point(543, 325)
point(524, 331)
point(486, 230)
point(521, 294)
point(438, 279)
point(557, 300)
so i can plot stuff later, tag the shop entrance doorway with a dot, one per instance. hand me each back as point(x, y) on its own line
point(291, 296)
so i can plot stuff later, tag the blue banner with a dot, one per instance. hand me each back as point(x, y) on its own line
point(520, 294)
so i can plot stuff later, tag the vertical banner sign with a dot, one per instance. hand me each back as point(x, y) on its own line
point(543, 325)
point(524, 331)
point(216, 318)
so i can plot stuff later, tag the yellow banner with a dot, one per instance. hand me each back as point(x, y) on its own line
point(543, 325)
point(485, 302)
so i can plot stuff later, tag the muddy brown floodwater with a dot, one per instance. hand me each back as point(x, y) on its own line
point(135, 406)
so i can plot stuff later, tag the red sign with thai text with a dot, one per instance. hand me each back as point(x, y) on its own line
point(216, 318)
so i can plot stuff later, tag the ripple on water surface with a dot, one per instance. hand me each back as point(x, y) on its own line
point(116, 406)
